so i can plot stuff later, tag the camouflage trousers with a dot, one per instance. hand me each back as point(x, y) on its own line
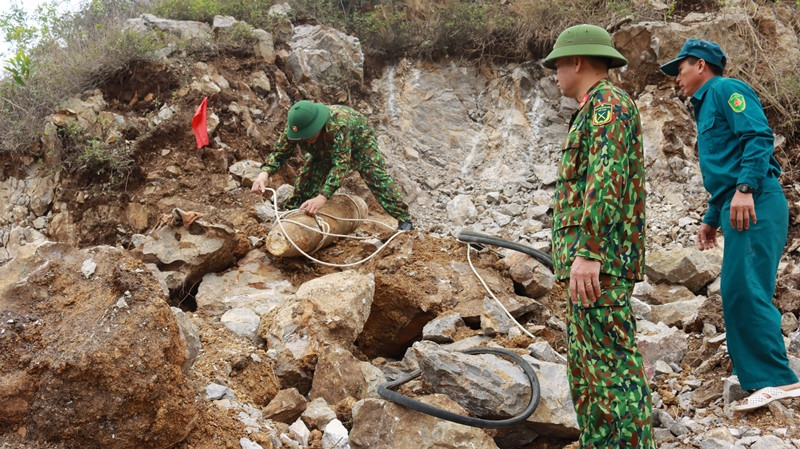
point(609, 389)
point(314, 173)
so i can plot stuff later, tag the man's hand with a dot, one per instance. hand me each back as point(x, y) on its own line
point(260, 184)
point(742, 210)
point(706, 237)
point(584, 280)
point(313, 205)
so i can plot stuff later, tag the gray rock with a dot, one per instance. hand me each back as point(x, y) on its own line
point(494, 320)
point(541, 350)
point(789, 323)
point(641, 310)
point(244, 322)
point(190, 335)
point(714, 443)
point(318, 414)
point(732, 390)
point(794, 343)
point(686, 266)
point(247, 444)
point(460, 210)
point(335, 436)
point(770, 442)
point(677, 313)
point(216, 391)
point(661, 342)
point(300, 433)
point(265, 46)
point(255, 283)
point(442, 328)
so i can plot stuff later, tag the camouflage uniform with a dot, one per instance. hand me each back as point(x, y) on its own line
point(347, 141)
point(599, 214)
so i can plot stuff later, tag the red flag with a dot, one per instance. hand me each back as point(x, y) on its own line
point(199, 124)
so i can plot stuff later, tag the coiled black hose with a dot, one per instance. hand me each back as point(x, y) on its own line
point(476, 237)
point(386, 391)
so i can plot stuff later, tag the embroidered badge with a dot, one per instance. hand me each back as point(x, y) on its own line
point(736, 101)
point(294, 128)
point(602, 114)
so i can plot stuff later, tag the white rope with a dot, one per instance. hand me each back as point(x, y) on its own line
point(469, 259)
point(289, 239)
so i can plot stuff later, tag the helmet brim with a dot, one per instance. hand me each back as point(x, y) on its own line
point(596, 50)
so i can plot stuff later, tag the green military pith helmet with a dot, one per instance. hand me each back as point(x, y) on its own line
point(306, 119)
point(585, 40)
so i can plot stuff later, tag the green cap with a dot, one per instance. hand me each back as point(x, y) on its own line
point(708, 51)
point(306, 119)
point(585, 40)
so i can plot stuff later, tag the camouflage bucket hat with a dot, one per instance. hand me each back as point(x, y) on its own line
point(585, 40)
point(306, 119)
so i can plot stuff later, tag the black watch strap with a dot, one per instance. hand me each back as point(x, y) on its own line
point(745, 188)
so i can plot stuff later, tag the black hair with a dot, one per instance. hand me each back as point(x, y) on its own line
point(600, 61)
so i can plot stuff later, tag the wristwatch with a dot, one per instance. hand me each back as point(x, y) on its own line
point(745, 188)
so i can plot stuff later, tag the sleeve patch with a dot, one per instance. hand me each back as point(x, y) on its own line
point(736, 102)
point(602, 114)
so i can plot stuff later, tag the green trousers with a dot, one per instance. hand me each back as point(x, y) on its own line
point(609, 389)
point(749, 266)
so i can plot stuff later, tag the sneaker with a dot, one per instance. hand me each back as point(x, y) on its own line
point(405, 226)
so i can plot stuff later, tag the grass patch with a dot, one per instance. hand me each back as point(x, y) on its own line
point(99, 157)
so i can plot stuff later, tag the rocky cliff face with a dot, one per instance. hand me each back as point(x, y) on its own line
point(266, 352)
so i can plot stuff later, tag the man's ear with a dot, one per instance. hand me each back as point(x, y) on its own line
point(702, 66)
point(579, 63)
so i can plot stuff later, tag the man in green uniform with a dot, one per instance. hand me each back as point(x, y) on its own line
point(334, 139)
point(599, 242)
point(735, 148)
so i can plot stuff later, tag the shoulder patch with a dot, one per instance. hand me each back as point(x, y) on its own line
point(736, 102)
point(602, 114)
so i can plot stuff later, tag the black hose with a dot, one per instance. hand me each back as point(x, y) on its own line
point(472, 236)
point(385, 391)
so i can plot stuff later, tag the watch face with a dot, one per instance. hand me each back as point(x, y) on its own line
point(744, 188)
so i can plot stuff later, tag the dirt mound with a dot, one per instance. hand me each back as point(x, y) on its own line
point(91, 353)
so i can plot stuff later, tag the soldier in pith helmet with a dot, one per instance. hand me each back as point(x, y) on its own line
point(335, 139)
point(599, 242)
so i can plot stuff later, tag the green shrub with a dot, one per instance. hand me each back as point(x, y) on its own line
point(254, 12)
point(76, 52)
point(19, 67)
point(238, 39)
point(386, 32)
point(197, 10)
point(95, 156)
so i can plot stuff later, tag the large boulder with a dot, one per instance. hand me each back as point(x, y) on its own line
point(379, 424)
point(90, 352)
point(185, 253)
point(327, 311)
point(442, 281)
